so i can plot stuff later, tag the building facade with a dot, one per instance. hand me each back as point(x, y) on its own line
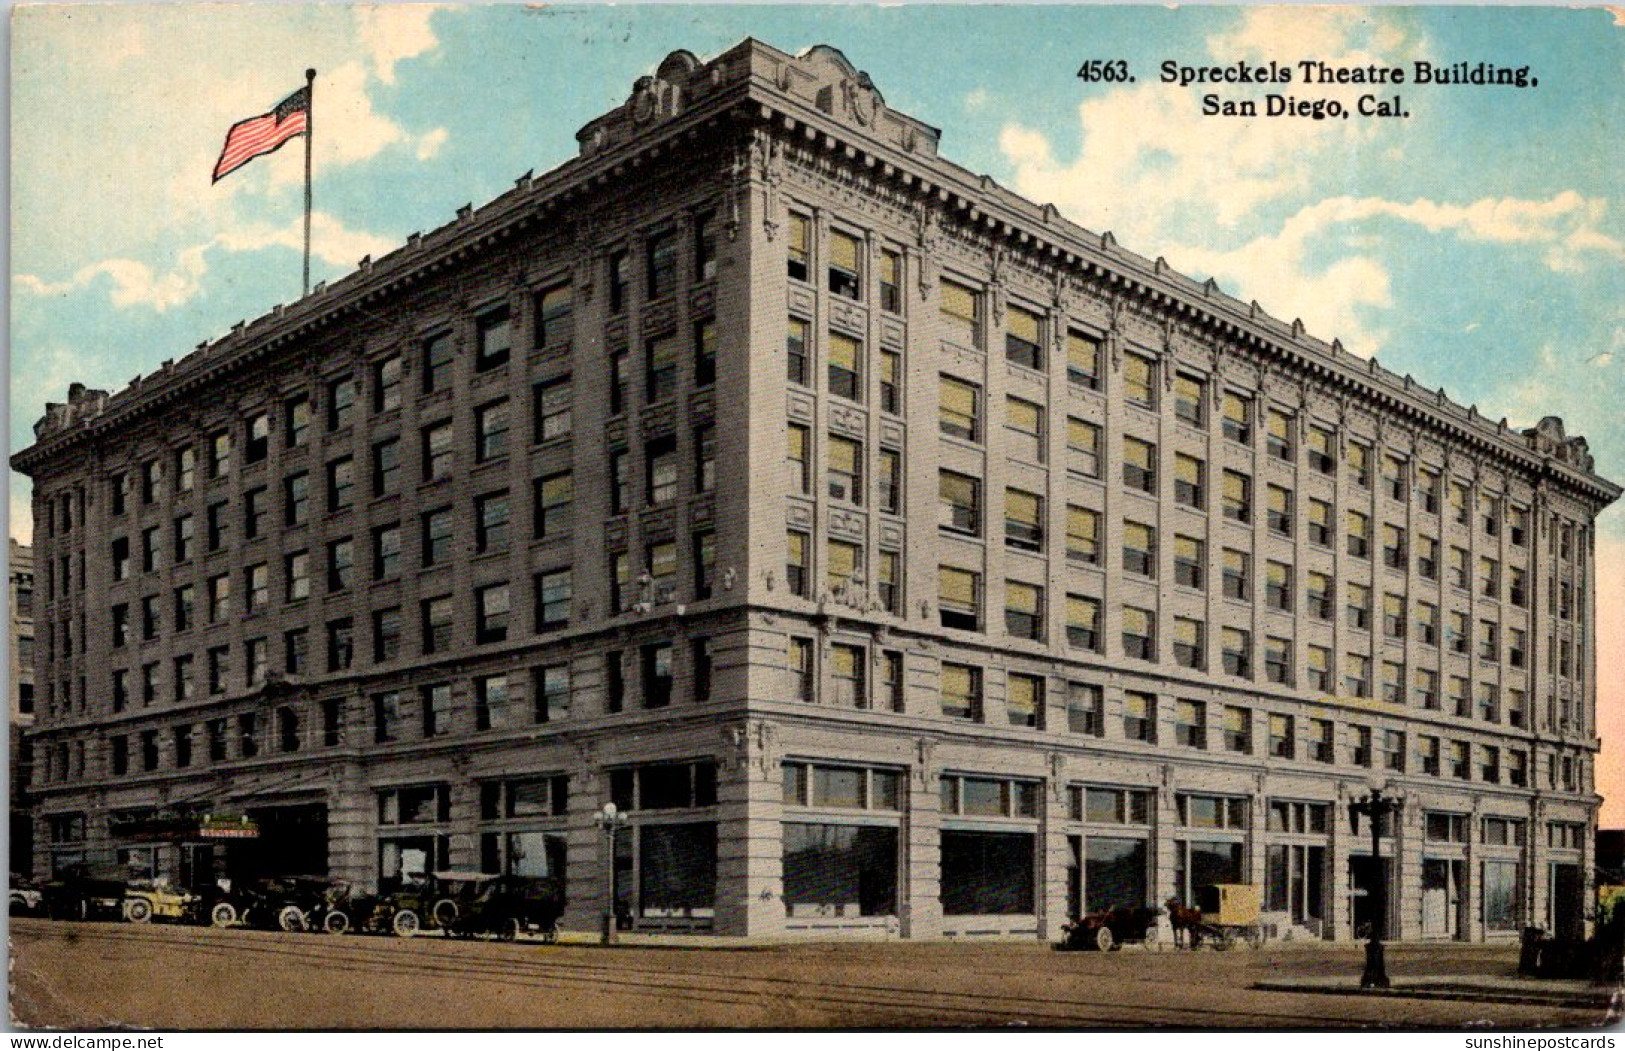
point(900, 557)
point(20, 559)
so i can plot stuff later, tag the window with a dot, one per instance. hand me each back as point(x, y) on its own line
point(1083, 535)
point(1278, 586)
point(1279, 425)
point(1140, 465)
point(439, 354)
point(553, 498)
point(1359, 534)
point(1139, 716)
point(437, 451)
point(491, 522)
point(661, 258)
point(961, 409)
point(1190, 724)
point(1083, 442)
point(962, 313)
point(340, 483)
point(1393, 616)
point(845, 470)
point(799, 660)
point(798, 440)
point(889, 581)
point(551, 409)
point(961, 692)
point(1396, 472)
point(1190, 399)
point(1237, 574)
point(1024, 429)
point(1517, 587)
point(845, 278)
point(1393, 682)
point(220, 454)
point(491, 430)
point(1278, 510)
point(660, 465)
point(1458, 503)
point(554, 591)
point(550, 692)
point(386, 551)
point(219, 668)
point(1023, 520)
point(1190, 481)
point(437, 526)
point(795, 345)
point(1489, 702)
point(493, 339)
point(657, 674)
point(1023, 337)
point(1237, 413)
point(1024, 700)
point(844, 569)
point(340, 564)
point(1359, 606)
point(1395, 553)
point(620, 383)
point(796, 564)
point(891, 379)
point(1489, 577)
point(1238, 729)
point(1237, 648)
point(848, 665)
point(1238, 497)
point(121, 553)
point(1356, 675)
point(798, 247)
point(257, 579)
point(1023, 610)
point(1140, 549)
point(219, 598)
point(341, 399)
point(257, 431)
point(705, 352)
point(121, 623)
point(491, 609)
point(1190, 646)
point(386, 634)
point(386, 466)
point(437, 624)
point(554, 323)
point(1458, 568)
point(1427, 490)
point(1139, 633)
point(1359, 459)
point(1140, 381)
point(1492, 515)
point(961, 497)
point(891, 281)
point(959, 598)
point(1320, 669)
point(660, 369)
point(493, 704)
point(889, 485)
point(1083, 359)
point(1278, 660)
point(1083, 622)
point(119, 493)
point(296, 572)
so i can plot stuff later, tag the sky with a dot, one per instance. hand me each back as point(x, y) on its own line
point(1478, 243)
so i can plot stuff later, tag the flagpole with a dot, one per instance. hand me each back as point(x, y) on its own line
point(310, 133)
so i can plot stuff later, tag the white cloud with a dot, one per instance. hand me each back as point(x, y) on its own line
point(976, 99)
point(395, 32)
point(133, 283)
point(349, 130)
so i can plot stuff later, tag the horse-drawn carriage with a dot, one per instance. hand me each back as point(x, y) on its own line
point(1226, 914)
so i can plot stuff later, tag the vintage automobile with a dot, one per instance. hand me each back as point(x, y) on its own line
point(1110, 929)
point(146, 900)
point(82, 891)
point(26, 897)
point(403, 912)
point(501, 906)
point(286, 903)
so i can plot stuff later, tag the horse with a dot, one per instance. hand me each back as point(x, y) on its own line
point(1186, 922)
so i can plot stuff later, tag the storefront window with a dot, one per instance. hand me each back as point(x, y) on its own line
point(1114, 873)
point(840, 870)
point(677, 870)
point(987, 873)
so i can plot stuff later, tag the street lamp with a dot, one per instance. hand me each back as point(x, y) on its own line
point(1376, 806)
point(610, 820)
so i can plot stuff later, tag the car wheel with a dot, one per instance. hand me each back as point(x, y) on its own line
point(336, 922)
point(291, 918)
point(511, 929)
point(224, 914)
point(1103, 939)
point(445, 913)
point(405, 924)
point(138, 910)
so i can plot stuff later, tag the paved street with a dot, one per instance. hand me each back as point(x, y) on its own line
point(165, 977)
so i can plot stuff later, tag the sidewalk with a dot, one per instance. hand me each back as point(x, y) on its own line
point(1511, 989)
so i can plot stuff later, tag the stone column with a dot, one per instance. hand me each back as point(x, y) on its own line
point(750, 880)
point(919, 903)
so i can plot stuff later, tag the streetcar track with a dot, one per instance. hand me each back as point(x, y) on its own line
point(419, 959)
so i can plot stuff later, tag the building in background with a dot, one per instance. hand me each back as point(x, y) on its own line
point(900, 556)
point(20, 759)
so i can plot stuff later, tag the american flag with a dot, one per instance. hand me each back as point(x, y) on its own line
point(250, 138)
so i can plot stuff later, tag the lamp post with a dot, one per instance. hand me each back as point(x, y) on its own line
point(610, 820)
point(1376, 806)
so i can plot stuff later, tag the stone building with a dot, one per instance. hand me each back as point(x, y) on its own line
point(899, 556)
point(20, 559)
